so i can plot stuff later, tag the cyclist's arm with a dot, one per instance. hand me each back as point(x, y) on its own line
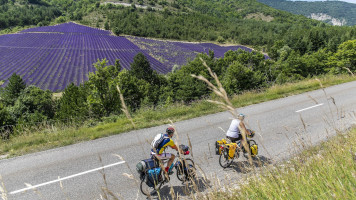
point(174, 147)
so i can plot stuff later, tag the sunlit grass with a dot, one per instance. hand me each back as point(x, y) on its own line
point(32, 141)
point(326, 171)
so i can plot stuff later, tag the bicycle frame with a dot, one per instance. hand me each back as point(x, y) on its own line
point(185, 171)
point(232, 150)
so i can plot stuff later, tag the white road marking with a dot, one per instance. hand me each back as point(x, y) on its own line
point(320, 104)
point(65, 178)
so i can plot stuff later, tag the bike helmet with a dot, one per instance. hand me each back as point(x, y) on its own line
point(170, 130)
point(241, 116)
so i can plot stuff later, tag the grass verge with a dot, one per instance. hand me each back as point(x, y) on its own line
point(30, 141)
point(326, 171)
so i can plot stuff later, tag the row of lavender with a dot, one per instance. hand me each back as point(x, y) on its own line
point(66, 41)
point(69, 27)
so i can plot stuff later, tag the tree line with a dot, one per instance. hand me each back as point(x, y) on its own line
point(143, 87)
point(212, 24)
point(20, 13)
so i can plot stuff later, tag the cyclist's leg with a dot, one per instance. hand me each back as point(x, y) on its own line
point(171, 158)
point(242, 141)
point(166, 156)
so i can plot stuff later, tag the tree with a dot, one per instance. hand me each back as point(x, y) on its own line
point(33, 105)
point(103, 97)
point(118, 65)
point(141, 68)
point(239, 78)
point(106, 25)
point(13, 89)
point(133, 89)
point(345, 57)
point(186, 88)
point(73, 103)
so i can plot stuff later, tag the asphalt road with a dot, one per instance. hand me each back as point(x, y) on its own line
point(80, 171)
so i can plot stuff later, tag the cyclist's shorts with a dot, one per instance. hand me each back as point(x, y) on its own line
point(163, 156)
point(235, 139)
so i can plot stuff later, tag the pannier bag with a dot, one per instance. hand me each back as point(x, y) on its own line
point(232, 149)
point(218, 145)
point(254, 150)
point(153, 176)
point(145, 165)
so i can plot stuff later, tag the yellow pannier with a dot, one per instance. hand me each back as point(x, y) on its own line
point(218, 146)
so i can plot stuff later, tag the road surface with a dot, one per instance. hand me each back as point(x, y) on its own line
point(80, 171)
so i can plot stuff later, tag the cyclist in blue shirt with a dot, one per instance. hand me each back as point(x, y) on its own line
point(167, 142)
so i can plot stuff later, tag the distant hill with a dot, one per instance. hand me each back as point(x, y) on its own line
point(333, 12)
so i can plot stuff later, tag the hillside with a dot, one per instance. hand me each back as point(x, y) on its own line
point(333, 12)
point(52, 57)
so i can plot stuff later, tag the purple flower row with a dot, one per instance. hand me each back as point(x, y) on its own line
point(65, 41)
point(69, 27)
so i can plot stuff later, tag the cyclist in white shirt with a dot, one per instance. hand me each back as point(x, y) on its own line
point(234, 132)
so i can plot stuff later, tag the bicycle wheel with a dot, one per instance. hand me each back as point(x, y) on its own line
point(186, 171)
point(150, 190)
point(224, 159)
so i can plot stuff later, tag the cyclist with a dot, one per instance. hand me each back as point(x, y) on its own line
point(167, 141)
point(234, 132)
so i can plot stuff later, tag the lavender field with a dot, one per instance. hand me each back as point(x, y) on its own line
point(54, 56)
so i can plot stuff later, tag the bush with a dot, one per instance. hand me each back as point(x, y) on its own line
point(239, 78)
point(34, 105)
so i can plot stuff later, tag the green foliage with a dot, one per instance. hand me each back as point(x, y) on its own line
point(238, 78)
point(103, 97)
point(141, 68)
point(186, 88)
point(13, 89)
point(220, 39)
point(42, 12)
point(345, 57)
point(133, 89)
point(226, 20)
point(6, 120)
point(61, 19)
point(73, 103)
point(29, 14)
point(33, 105)
point(106, 25)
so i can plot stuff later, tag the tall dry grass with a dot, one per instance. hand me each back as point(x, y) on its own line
point(224, 102)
